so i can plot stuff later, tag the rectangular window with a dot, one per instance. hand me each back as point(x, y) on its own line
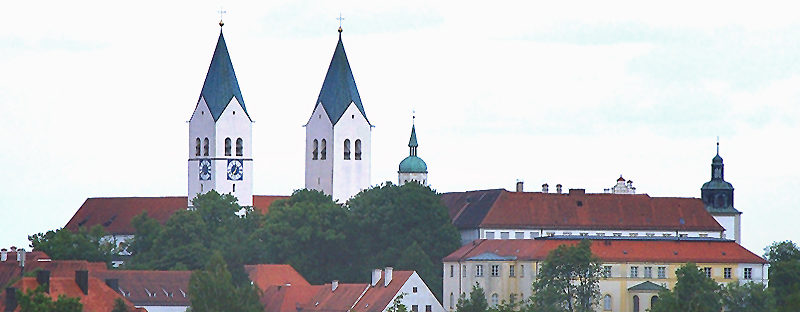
point(650, 234)
point(452, 269)
point(521, 270)
point(519, 235)
point(633, 234)
point(504, 235)
point(479, 270)
point(648, 272)
point(617, 234)
point(583, 234)
point(683, 235)
point(489, 235)
point(428, 308)
point(748, 273)
point(511, 270)
point(567, 233)
point(607, 271)
point(551, 233)
point(666, 235)
point(414, 290)
point(600, 234)
point(726, 273)
point(634, 271)
point(464, 271)
point(495, 270)
point(707, 271)
point(534, 234)
point(414, 308)
point(662, 272)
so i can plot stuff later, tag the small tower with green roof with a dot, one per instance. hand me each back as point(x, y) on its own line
point(413, 168)
point(717, 195)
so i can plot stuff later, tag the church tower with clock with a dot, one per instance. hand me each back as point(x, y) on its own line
point(338, 134)
point(220, 134)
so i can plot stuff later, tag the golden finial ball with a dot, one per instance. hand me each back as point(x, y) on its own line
point(340, 29)
point(221, 23)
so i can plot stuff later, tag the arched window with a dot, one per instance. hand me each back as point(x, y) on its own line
point(239, 147)
point(653, 301)
point(316, 150)
point(495, 300)
point(607, 303)
point(197, 147)
point(635, 303)
point(227, 146)
point(205, 147)
point(323, 152)
point(347, 149)
point(358, 149)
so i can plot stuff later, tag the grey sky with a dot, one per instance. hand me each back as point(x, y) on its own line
point(94, 97)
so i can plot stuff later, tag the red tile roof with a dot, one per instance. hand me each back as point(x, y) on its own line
point(265, 275)
point(577, 210)
point(10, 269)
point(99, 299)
point(65, 268)
point(616, 250)
point(115, 213)
point(150, 288)
point(379, 297)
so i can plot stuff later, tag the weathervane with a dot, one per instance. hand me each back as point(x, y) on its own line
point(340, 19)
point(413, 116)
point(221, 12)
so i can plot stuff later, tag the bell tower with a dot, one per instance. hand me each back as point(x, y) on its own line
point(717, 195)
point(220, 134)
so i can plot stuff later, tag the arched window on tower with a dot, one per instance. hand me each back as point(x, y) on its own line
point(227, 146)
point(358, 149)
point(323, 152)
point(347, 149)
point(197, 147)
point(315, 151)
point(205, 147)
point(239, 147)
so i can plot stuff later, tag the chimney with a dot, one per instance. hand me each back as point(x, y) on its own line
point(558, 188)
point(113, 283)
point(3, 255)
point(578, 192)
point(82, 279)
point(43, 278)
point(334, 285)
point(388, 278)
point(13, 248)
point(376, 276)
point(519, 186)
point(544, 188)
point(21, 257)
point(11, 299)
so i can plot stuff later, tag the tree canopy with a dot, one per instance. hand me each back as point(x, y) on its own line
point(476, 302)
point(213, 290)
point(568, 281)
point(694, 292)
point(36, 300)
point(784, 274)
point(748, 297)
point(85, 244)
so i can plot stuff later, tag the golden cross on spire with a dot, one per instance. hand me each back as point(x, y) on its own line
point(221, 12)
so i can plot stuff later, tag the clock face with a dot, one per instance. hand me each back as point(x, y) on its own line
point(205, 170)
point(235, 169)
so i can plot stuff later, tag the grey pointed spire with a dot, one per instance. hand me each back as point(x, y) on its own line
point(221, 84)
point(339, 88)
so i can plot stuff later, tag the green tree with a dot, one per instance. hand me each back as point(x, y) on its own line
point(512, 305)
point(36, 300)
point(307, 231)
point(85, 244)
point(694, 292)
point(189, 236)
point(568, 281)
point(397, 304)
point(748, 297)
point(476, 302)
point(784, 274)
point(120, 306)
point(388, 219)
point(213, 290)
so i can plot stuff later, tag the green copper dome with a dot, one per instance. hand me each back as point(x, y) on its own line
point(413, 164)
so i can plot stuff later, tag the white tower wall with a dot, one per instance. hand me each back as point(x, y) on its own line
point(353, 175)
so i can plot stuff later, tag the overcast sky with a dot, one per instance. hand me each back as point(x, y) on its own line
point(94, 98)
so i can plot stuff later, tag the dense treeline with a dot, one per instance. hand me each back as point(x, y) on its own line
point(405, 227)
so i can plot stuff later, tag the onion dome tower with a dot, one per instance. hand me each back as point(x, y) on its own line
point(717, 195)
point(413, 168)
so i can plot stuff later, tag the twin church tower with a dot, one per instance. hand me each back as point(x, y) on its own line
point(338, 136)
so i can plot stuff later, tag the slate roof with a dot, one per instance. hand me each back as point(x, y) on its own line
point(339, 87)
point(576, 210)
point(115, 213)
point(221, 84)
point(100, 297)
point(632, 250)
point(150, 288)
